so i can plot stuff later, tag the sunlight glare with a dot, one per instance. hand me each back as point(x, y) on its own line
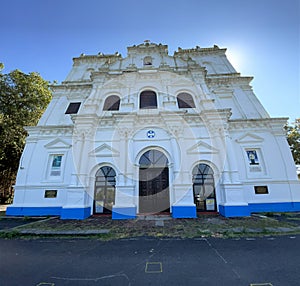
point(235, 57)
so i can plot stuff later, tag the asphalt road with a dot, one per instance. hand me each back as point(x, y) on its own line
point(224, 262)
point(7, 223)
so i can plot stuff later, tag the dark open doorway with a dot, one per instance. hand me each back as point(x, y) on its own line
point(154, 183)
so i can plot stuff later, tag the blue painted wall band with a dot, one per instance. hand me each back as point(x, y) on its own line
point(124, 213)
point(241, 211)
point(73, 213)
point(184, 212)
point(130, 213)
point(33, 211)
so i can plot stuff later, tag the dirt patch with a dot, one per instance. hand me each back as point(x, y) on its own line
point(204, 226)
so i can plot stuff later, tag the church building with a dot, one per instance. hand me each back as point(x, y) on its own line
point(152, 133)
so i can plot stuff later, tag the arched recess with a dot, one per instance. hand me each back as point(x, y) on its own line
point(204, 188)
point(185, 100)
point(104, 191)
point(112, 103)
point(154, 194)
point(148, 99)
point(147, 61)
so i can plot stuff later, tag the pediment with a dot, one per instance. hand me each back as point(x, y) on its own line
point(57, 144)
point(202, 148)
point(105, 151)
point(249, 138)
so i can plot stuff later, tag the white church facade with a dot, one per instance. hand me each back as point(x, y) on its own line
point(152, 133)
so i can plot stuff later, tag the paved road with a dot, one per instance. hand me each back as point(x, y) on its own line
point(206, 262)
point(8, 223)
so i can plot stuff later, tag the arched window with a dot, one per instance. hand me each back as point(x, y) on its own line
point(204, 188)
point(153, 159)
point(148, 100)
point(185, 100)
point(105, 183)
point(112, 103)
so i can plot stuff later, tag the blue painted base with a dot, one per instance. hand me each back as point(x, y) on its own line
point(130, 212)
point(74, 213)
point(275, 207)
point(124, 213)
point(33, 211)
point(184, 212)
point(234, 211)
point(240, 211)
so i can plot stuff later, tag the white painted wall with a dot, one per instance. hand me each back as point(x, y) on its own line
point(227, 121)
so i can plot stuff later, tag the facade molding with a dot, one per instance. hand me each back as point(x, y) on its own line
point(212, 154)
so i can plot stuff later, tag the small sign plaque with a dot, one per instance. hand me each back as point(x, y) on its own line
point(99, 206)
point(210, 204)
point(50, 194)
point(260, 190)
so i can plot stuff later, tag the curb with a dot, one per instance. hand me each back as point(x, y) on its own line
point(64, 232)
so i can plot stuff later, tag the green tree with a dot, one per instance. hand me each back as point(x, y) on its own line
point(23, 99)
point(293, 137)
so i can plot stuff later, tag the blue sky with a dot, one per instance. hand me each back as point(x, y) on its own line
point(262, 37)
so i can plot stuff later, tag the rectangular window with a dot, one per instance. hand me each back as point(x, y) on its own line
point(50, 194)
point(73, 108)
point(56, 165)
point(261, 190)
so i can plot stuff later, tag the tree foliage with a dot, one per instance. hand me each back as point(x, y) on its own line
point(23, 99)
point(293, 137)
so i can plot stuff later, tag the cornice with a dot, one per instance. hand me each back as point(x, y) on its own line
point(274, 125)
point(100, 57)
point(224, 79)
point(130, 69)
point(72, 84)
point(211, 114)
point(212, 50)
point(52, 131)
point(72, 91)
point(219, 117)
point(223, 75)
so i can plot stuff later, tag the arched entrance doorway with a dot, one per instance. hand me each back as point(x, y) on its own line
point(154, 183)
point(105, 185)
point(204, 188)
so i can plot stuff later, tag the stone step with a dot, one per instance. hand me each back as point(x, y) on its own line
point(155, 217)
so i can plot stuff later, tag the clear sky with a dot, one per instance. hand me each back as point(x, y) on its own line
point(262, 37)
